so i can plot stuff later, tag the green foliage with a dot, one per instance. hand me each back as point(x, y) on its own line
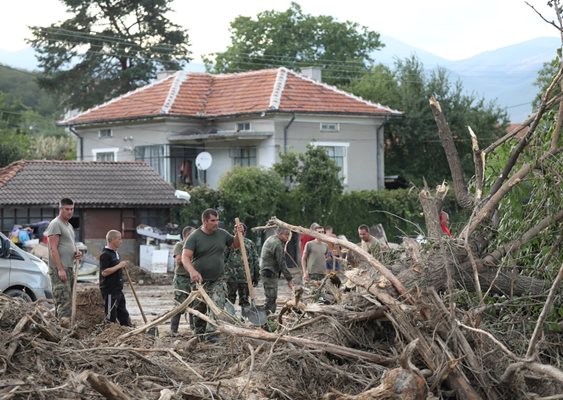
point(295, 40)
point(12, 147)
point(21, 87)
point(414, 137)
point(399, 212)
point(252, 194)
point(317, 182)
point(538, 196)
point(107, 48)
point(52, 148)
point(202, 197)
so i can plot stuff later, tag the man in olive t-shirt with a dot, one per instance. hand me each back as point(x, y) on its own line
point(62, 252)
point(203, 256)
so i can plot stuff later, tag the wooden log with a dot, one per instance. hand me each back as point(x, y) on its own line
point(103, 386)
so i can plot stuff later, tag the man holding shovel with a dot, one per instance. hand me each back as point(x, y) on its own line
point(111, 280)
point(204, 258)
point(234, 270)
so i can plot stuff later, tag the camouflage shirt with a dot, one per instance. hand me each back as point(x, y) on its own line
point(234, 267)
point(272, 257)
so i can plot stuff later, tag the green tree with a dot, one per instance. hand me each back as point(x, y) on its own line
point(296, 40)
point(317, 183)
point(412, 146)
point(252, 194)
point(202, 197)
point(52, 148)
point(107, 48)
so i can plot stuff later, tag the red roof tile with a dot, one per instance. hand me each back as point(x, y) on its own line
point(523, 130)
point(205, 95)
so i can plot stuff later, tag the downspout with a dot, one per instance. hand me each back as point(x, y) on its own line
point(285, 133)
point(380, 151)
point(80, 139)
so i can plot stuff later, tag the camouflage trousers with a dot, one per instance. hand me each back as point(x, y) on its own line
point(216, 291)
point(242, 289)
point(271, 292)
point(62, 292)
point(182, 287)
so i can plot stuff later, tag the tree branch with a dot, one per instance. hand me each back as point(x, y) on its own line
point(463, 197)
point(349, 245)
point(546, 309)
point(496, 255)
point(515, 154)
point(479, 162)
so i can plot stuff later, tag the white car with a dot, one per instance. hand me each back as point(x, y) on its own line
point(22, 274)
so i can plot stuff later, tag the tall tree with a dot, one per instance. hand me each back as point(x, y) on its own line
point(107, 48)
point(296, 40)
point(314, 181)
point(412, 146)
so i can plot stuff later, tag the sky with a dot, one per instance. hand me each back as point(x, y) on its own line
point(451, 29)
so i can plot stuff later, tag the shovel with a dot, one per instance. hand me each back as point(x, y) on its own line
point(255, 314)
point(153, 331)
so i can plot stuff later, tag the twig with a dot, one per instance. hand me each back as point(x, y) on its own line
point(495, 340)
point(545, 311)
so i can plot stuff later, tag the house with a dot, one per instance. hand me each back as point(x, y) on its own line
point(107, 195)
point(242, 119)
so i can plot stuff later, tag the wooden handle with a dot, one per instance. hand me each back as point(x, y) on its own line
point(74, 291)
point(245, 261)
point(135, 295)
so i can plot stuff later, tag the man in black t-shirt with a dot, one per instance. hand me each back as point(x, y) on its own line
point(111, 280)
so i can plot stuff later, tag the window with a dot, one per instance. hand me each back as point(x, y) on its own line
point(338, 153)
point(244, 156)
point(105, 133)
point(330, 127)
point(243, 126)
point(157, 156)
point(107, 154)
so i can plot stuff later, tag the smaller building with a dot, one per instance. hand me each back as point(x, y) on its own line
point(107, 195)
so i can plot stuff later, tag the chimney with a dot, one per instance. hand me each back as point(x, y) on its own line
point(313, 73)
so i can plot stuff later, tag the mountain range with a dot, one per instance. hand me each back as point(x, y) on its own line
point(505, 75)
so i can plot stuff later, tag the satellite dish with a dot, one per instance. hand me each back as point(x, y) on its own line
point(203, 160)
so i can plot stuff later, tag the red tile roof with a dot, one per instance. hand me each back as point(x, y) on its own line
point(89, 184)
point(513, 127)
point(202, 95)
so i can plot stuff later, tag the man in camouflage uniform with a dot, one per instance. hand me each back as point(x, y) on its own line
point(272, 264)
point(234, 271)
point(204, 257)
point(182, 282)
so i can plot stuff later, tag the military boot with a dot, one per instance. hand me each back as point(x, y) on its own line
point(174, 323)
